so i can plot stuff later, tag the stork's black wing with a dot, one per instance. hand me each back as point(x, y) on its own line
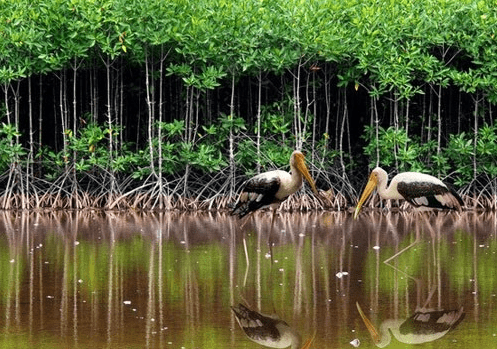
point(424, 194)
point(257, 192)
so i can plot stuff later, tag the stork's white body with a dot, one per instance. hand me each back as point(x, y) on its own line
point(419, 189)
point(416, 188)
point(273, 187)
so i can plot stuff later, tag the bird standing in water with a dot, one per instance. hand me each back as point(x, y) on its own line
point(269, 331)
point(419, 189)
point(270, 189)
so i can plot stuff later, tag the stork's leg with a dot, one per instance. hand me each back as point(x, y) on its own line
point(270, 236)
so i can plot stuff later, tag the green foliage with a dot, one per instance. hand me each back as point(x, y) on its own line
point(395, 147)
point(464, 154)
point(10, 150)
point(458, 157)
point(392, 49)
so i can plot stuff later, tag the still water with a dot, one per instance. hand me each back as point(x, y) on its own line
point(129, 280)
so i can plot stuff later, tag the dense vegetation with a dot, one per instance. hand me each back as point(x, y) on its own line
point(157, 104)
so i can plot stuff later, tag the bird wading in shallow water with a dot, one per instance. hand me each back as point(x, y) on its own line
point(270, 189)
point(421, 327)
point(419, 189)
point(269, 331)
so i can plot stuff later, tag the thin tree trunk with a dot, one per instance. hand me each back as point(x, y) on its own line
point(377, 129)
point(314, 112)
point(475, 136)
point(297, 108)
point(231, 138)
point(258, 143)
point(121, 108)
point(74, 121)
point(40, 114)
point(150, 112)
point(396, 126)
point(159, 129)
point(31, 131)
point(109, 108)
point(439, 116)
point(327, 96)
point(430, 113)
point(63, 116)
point(342, 130)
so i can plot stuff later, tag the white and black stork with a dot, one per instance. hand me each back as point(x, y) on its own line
point(270, 189)
point(419, 189)
point(269, 331)
point(421, 327)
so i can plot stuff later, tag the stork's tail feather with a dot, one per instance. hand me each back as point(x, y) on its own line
point(457, 201)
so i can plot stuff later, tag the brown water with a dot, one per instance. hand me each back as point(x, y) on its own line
point(130, 280)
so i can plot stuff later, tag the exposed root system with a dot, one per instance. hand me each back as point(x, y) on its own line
point(22, 191)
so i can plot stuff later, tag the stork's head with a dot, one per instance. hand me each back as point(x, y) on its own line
point(298, 161)
point(370, 186)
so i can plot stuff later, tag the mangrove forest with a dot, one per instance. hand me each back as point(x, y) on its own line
point(173, 104)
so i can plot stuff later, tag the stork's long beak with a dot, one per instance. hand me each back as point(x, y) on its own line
point(372, 182)
point(372, 330)
point(300, 165)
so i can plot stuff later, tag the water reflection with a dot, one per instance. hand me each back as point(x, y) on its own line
point(422, 327)
point(268, 330)
point(94, 279)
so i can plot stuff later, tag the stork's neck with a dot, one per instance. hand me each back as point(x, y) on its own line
point(388, 191)
point(297, 177)
point(382, 187)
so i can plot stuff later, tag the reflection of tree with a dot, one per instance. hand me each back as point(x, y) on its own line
point(177, 272)
point(416, 262)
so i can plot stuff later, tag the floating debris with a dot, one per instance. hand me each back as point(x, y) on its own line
point(341, 274)
point(355, 343)
point(127, 302)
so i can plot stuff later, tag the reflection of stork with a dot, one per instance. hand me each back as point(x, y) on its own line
point(273, 187)
point(420, 328)
point(267, 330)
point(419, 189)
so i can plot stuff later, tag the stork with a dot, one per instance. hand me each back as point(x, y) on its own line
point(269, 331)
point(421, 327)
point(419, 189)
point(270, 189)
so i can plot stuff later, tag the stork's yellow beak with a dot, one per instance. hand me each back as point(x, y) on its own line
point(300, 165)
point(372, 330)
point(372, 183)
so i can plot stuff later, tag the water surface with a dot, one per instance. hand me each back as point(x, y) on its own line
point(131, 280)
